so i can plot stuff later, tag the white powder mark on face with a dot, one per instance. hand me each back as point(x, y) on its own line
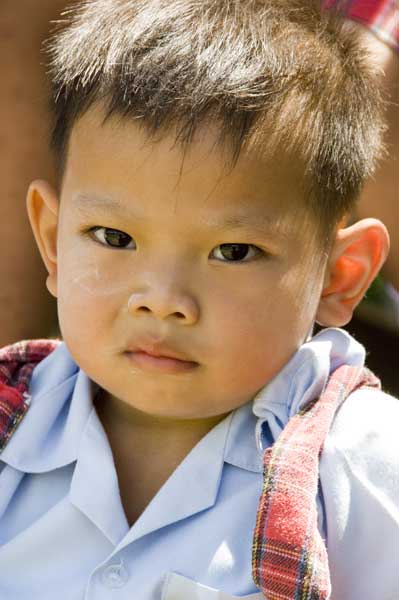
point(93, 282)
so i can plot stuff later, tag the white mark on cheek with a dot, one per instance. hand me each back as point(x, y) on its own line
point(96, 283)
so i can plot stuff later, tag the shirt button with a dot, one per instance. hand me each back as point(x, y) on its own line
point(115, 576)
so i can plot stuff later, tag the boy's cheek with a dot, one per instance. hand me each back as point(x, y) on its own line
point(88, 300)
point(91, 279)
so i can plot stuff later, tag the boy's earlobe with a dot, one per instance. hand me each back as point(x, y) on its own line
point(42, 205)
point(357, 255)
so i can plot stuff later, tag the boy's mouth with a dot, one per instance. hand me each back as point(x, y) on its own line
point(159, 358)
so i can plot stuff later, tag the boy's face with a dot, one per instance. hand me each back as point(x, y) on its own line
point(180, 257)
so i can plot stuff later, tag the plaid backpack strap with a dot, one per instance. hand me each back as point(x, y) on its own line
point(289, 557)
point(16, 367)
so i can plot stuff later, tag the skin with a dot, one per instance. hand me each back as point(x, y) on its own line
point(240, 322)
point(169, 272)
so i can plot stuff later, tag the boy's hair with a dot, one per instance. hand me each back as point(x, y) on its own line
point(273, 75)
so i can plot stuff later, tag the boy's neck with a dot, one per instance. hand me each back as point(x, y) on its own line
point(146, 449)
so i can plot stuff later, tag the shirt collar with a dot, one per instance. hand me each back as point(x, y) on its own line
point(241, 449)
point(303, 379)
point(48, 436)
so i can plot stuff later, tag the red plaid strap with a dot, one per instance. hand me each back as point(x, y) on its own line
point(289, 557)
point(381, 16)
point(16, 366)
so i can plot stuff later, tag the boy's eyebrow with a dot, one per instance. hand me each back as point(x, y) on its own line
point(261, 223)
point(84, 202)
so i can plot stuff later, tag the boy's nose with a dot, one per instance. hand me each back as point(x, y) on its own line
point(164, 304)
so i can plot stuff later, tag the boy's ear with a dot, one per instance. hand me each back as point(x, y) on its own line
point(42, 205)
point(357, 255)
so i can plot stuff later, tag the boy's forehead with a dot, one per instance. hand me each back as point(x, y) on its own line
point(117, 158)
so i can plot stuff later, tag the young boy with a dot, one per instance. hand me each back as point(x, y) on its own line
point(209, 155)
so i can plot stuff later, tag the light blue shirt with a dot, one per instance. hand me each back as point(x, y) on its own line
point(64, 533)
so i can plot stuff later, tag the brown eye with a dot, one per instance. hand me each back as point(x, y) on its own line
point(236, 252)
point(113, 237)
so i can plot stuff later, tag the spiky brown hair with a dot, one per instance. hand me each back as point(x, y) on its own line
point(274, 75)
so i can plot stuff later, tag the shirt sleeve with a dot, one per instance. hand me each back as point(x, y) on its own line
point(359, 478)
point(380, 16)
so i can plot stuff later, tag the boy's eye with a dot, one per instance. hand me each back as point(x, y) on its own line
point(224, 252)
point(236, 252)
point(112, 237)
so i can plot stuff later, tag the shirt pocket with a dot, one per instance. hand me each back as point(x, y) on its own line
point(177, 587)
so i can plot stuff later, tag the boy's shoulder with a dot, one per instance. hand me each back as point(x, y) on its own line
point(365, 409)
point(359, 487)
point(363, 446)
